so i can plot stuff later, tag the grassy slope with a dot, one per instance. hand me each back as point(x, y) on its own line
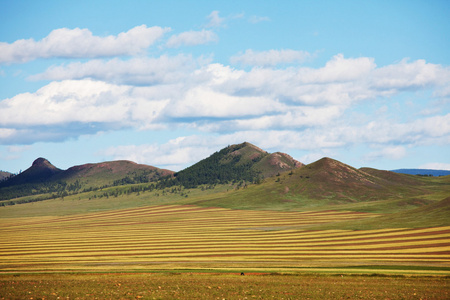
point(324, 185)
point(99, 174)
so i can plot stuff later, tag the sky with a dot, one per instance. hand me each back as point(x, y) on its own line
point(168, 83)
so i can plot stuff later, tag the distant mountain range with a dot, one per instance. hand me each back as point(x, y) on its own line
point(423, 172)
point(242, 162)
point(237, 165)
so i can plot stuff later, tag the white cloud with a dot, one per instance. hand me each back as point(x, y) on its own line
point(391, 152)
point(135, 71)
point(303, 107)
point(81, 43)
point(214, 20)
point(84, 101)
point(192, 38)
point(174, 155)
point(205, 102)
point(270, 57)
point(435, 166)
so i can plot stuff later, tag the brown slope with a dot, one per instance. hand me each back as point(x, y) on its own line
point(330, 179)
point(106, 173)
point(275, 163)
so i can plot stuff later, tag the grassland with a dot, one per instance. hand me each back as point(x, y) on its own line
point(194, 243)
point(192, 237)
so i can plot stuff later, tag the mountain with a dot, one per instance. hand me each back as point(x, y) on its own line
point(112, 173)
point(332, 179)
point(241, 162)
point(40, 171)
point(44, 178)
point(327, 183)
point(423, 172)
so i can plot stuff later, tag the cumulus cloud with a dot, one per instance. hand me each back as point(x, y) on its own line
point(81, 43)
point(214, 20)
point(270, 57)
point(136, 71)
point(85, 101)
point(392, 153)
point(192, 38)
point(174, 155)
point(305, 108)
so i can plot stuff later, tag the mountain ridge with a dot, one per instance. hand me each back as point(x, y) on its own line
point(279, 181)
point(238, 162)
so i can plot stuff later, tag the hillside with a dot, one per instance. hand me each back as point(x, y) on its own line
point(44, 178)
point(330, 184)
point(112, 173)
point(225, 180)
point(40, 171)
point(330, 179)
point(241, 162)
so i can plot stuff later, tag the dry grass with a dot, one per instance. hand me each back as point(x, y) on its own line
point(219, 286)
point(176, 236)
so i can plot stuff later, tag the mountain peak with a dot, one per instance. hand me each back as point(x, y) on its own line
point(42, 162)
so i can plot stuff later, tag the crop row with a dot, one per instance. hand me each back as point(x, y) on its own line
point(174, 234)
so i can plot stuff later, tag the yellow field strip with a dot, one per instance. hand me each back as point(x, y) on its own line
point(160, 234)
point(169, 234)
point(189, 243)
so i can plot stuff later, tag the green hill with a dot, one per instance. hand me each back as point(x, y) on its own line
point(119, 172)
point(44, 178)
point(330, 184)
point(241, 162)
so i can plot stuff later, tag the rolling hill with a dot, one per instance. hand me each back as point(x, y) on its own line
point(330, 184)
point(44, 178)
point(241, 162)
point(246, 177)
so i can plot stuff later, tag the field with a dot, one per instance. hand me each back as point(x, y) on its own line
point(194, 244)
point(220, 286)
point(188, 237)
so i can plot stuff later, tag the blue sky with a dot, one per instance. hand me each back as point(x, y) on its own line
point(167, 83)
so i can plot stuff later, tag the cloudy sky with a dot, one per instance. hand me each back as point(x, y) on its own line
point(167, 83)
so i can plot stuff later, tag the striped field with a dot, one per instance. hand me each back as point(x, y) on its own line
point(171, 237)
